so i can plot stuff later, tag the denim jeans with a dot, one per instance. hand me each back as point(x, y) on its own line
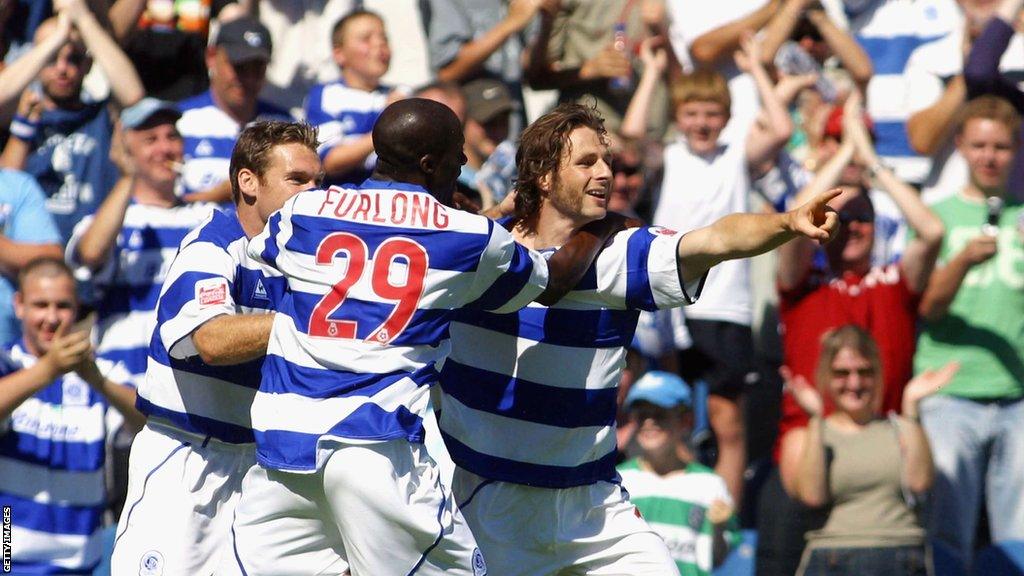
point(977, 447)
point(888, 561)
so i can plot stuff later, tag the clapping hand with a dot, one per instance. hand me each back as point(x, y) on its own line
point(807, 398)
point(924, 385)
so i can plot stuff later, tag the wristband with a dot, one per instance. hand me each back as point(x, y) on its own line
point(23, 128)
point(874, 169)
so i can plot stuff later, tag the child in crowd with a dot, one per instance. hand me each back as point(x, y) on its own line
point(345, 110)
point(684, 502)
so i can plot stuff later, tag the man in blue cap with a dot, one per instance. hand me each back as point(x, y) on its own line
point(126, 247)
point(684, 502)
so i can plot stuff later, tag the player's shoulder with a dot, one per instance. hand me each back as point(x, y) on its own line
point(217, 228)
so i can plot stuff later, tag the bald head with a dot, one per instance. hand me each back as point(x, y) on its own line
point(419, 141)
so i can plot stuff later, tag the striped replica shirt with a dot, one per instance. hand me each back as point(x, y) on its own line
point(676, 507)
point(212, 275)
point(129, 283)
point(374, 275)
point(342, 114)
point(529, 397)
point(209, 135)
point(51, 471)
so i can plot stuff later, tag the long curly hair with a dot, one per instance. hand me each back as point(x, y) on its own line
point(541, 147)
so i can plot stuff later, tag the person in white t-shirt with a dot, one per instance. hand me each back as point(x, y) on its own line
point(706, 178)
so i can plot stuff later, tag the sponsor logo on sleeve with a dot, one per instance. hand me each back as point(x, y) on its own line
point(212, 292)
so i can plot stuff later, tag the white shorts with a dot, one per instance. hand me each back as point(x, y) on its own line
point(182, 492)
point(590, 530)
point(379, 507)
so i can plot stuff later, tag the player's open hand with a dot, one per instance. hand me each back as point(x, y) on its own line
point(816, 219)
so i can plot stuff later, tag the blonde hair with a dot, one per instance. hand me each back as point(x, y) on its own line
point(701, 85)
point(993, 108)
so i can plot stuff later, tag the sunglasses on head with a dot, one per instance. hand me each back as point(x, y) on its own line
point(845, 217)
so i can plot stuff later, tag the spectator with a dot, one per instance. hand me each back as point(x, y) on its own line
point(128, 244)
point(868, 471)
point(937, 90)
point(575, 52)
point(687, 504)
point(53, 408)
point(987, 71)
point(847, 168)
point(166, 42)
point(971, 306)
point(59, 139)
point(344, 111)
point(715, 176)
point(470, 39)
point(210, 122)
point(490, 149)
point(890, 31)
point(847, 288)
point(27, 232)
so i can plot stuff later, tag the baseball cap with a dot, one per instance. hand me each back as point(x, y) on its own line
point(245, 39)
point(486, 98)
point(661, 388)
point(139, 113)
point(834, 123)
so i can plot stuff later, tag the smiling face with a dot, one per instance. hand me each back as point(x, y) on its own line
point(156, 148)
point(291, 168)
point(988, 147)
point(364, 50)
point(853, 383)
point(701, 122)
point(659, 430)
point(44, 302)
point(579, 189)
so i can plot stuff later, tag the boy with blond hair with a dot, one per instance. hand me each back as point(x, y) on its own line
point(705, 179)
point(345, 110)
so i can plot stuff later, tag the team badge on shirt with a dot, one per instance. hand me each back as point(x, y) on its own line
point(75, 392)
point(212, 292)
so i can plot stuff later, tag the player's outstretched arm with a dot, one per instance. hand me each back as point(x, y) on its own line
point(744, 235)
point(228, 339)
point(567, 266)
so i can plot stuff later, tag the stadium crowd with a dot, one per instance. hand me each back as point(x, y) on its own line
point(850, 407)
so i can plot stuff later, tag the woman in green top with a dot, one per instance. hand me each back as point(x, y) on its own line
point(865, 468)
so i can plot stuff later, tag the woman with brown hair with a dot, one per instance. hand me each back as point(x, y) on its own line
point(865, 468)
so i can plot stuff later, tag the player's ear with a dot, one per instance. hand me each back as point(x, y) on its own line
point(428, 164)
point(546, 182)
point(248, 185)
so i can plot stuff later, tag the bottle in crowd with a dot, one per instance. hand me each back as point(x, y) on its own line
point(620, 41)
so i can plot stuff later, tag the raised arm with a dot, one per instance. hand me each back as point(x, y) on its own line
point(474, 53)
point(721, 42)
point(120, 396)
point(803, 465)
point(768, 135)
point(852, 56)
point(542, 70)
point(124, 81)
point(745, 235)
point(124, 16)
point(928, 129)
point(16, 77)
point(233, 339)
point(655, 59)
point(921, 252)
point(780, 27)
point(918, 469)
point(981, 70)
point(97, 242)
